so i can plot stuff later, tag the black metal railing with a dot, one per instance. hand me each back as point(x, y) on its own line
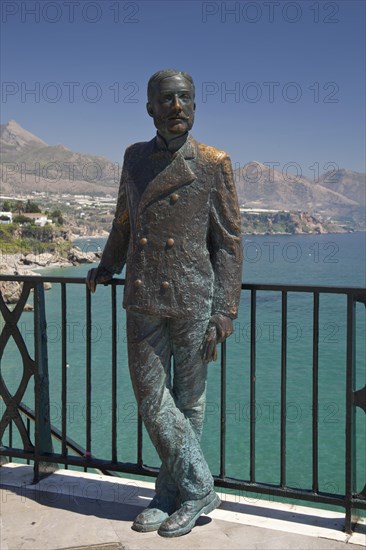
point(37, 445)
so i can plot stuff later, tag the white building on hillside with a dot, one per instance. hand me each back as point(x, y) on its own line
point(4, 215)
point(39, 219)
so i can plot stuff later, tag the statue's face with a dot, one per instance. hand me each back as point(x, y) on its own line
point(172, 106)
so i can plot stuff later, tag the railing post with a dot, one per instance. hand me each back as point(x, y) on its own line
point(223, 412)
point(253, 326)
point(350, 411)
point(283, 388)
point(88, 379)
point(42, 436)
point(315, 394)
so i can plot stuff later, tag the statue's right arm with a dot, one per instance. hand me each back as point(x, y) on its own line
point(115, 251)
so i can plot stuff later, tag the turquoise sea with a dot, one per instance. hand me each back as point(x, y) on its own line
point(330, 260)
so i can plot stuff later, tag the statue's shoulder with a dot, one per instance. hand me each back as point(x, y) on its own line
point(139, 149)
point(211, 154)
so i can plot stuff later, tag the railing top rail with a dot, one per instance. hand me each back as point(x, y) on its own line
point(245, 286)
point(306, 288)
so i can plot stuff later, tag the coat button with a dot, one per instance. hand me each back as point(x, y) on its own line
point(138, 283)
point(165, 284)
point(170, 242)
point(143, 241)
point(174, 197)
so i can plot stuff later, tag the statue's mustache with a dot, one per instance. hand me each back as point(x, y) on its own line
point(178, 117)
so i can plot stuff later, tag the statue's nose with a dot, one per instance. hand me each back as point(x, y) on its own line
point(176, 104)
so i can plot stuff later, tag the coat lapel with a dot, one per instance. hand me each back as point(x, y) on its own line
point(174, 174)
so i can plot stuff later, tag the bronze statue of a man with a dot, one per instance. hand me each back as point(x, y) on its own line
point(177, 229)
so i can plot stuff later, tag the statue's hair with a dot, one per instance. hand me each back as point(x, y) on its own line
point(161, 75)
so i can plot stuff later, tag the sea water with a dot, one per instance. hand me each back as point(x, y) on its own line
point(327, 260)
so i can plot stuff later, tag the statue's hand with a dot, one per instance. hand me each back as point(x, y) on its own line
point(219, 328)
point(97, 275)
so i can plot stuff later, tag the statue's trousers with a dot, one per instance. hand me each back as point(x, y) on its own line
point(169, 381)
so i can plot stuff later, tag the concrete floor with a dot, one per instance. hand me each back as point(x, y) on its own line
point(79, 511)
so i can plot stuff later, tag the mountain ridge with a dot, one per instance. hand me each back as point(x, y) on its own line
point(29, 164)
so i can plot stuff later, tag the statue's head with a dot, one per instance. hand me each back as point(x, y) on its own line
point(170, 95)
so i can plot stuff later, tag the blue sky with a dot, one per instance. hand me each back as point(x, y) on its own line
point(296, 69)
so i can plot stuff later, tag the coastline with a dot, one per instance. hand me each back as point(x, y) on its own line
point(98, 235)
point(31, 264)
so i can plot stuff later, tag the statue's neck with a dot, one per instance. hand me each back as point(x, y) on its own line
point(173, 144)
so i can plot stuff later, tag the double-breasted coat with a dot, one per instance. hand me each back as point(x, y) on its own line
point(177, 229)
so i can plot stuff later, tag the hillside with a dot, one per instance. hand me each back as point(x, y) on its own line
point(342, 201)
point(347, 183)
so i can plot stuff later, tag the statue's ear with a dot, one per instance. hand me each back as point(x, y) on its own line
point(194, 106)
point(149, 109)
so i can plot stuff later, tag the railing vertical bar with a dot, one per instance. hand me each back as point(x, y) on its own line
point(42, 421)
point(350, 411)
point(88, 374)
point(253, 315)
point(28, 432)
point(114, 375)
point(139, 441)
point(11, 438)
point(223, 412)
point(37, 337)
point(283, 386)
point(315, 395)
point(63, 371)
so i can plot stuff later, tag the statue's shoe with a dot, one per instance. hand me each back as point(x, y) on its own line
point(153, 516)
point(183, 520)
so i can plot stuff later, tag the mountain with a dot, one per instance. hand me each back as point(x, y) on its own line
point(29, 164)
point(339, 196)
point(13, 138)
point(347, 183)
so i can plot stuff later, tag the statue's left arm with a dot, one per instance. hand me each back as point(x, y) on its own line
point(225, 245)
